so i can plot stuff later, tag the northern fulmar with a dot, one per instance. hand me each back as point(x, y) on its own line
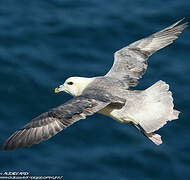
point(146, 110)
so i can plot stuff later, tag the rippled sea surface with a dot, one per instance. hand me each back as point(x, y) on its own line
point(43, 42)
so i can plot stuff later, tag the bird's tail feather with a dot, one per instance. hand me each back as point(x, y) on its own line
point(156, 107)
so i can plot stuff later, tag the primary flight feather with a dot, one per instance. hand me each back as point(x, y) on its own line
point(146, 110)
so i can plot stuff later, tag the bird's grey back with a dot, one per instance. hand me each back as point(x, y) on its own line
point(106, 88)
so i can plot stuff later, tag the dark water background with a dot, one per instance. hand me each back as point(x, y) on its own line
point(43, 42)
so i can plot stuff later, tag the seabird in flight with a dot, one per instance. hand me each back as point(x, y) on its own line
point(146, 110)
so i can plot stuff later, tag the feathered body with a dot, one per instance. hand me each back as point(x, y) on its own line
point(150, 108)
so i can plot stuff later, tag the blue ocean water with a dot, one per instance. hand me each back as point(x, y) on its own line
point(43, 42)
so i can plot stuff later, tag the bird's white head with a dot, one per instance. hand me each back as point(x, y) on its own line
point(74, 85)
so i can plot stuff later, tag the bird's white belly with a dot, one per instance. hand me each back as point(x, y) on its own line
point(116, 114)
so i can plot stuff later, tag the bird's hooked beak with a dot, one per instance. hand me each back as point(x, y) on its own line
point(60, 88)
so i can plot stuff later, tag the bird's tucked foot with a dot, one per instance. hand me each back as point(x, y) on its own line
point(155, 138)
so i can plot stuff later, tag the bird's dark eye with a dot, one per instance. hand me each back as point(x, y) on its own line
point(70, 83)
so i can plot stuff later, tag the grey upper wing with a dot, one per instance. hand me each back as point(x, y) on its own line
point(50, 123)
point(130, 63)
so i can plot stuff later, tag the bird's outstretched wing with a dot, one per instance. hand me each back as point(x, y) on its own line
point(130, 62)
point(50, 123)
